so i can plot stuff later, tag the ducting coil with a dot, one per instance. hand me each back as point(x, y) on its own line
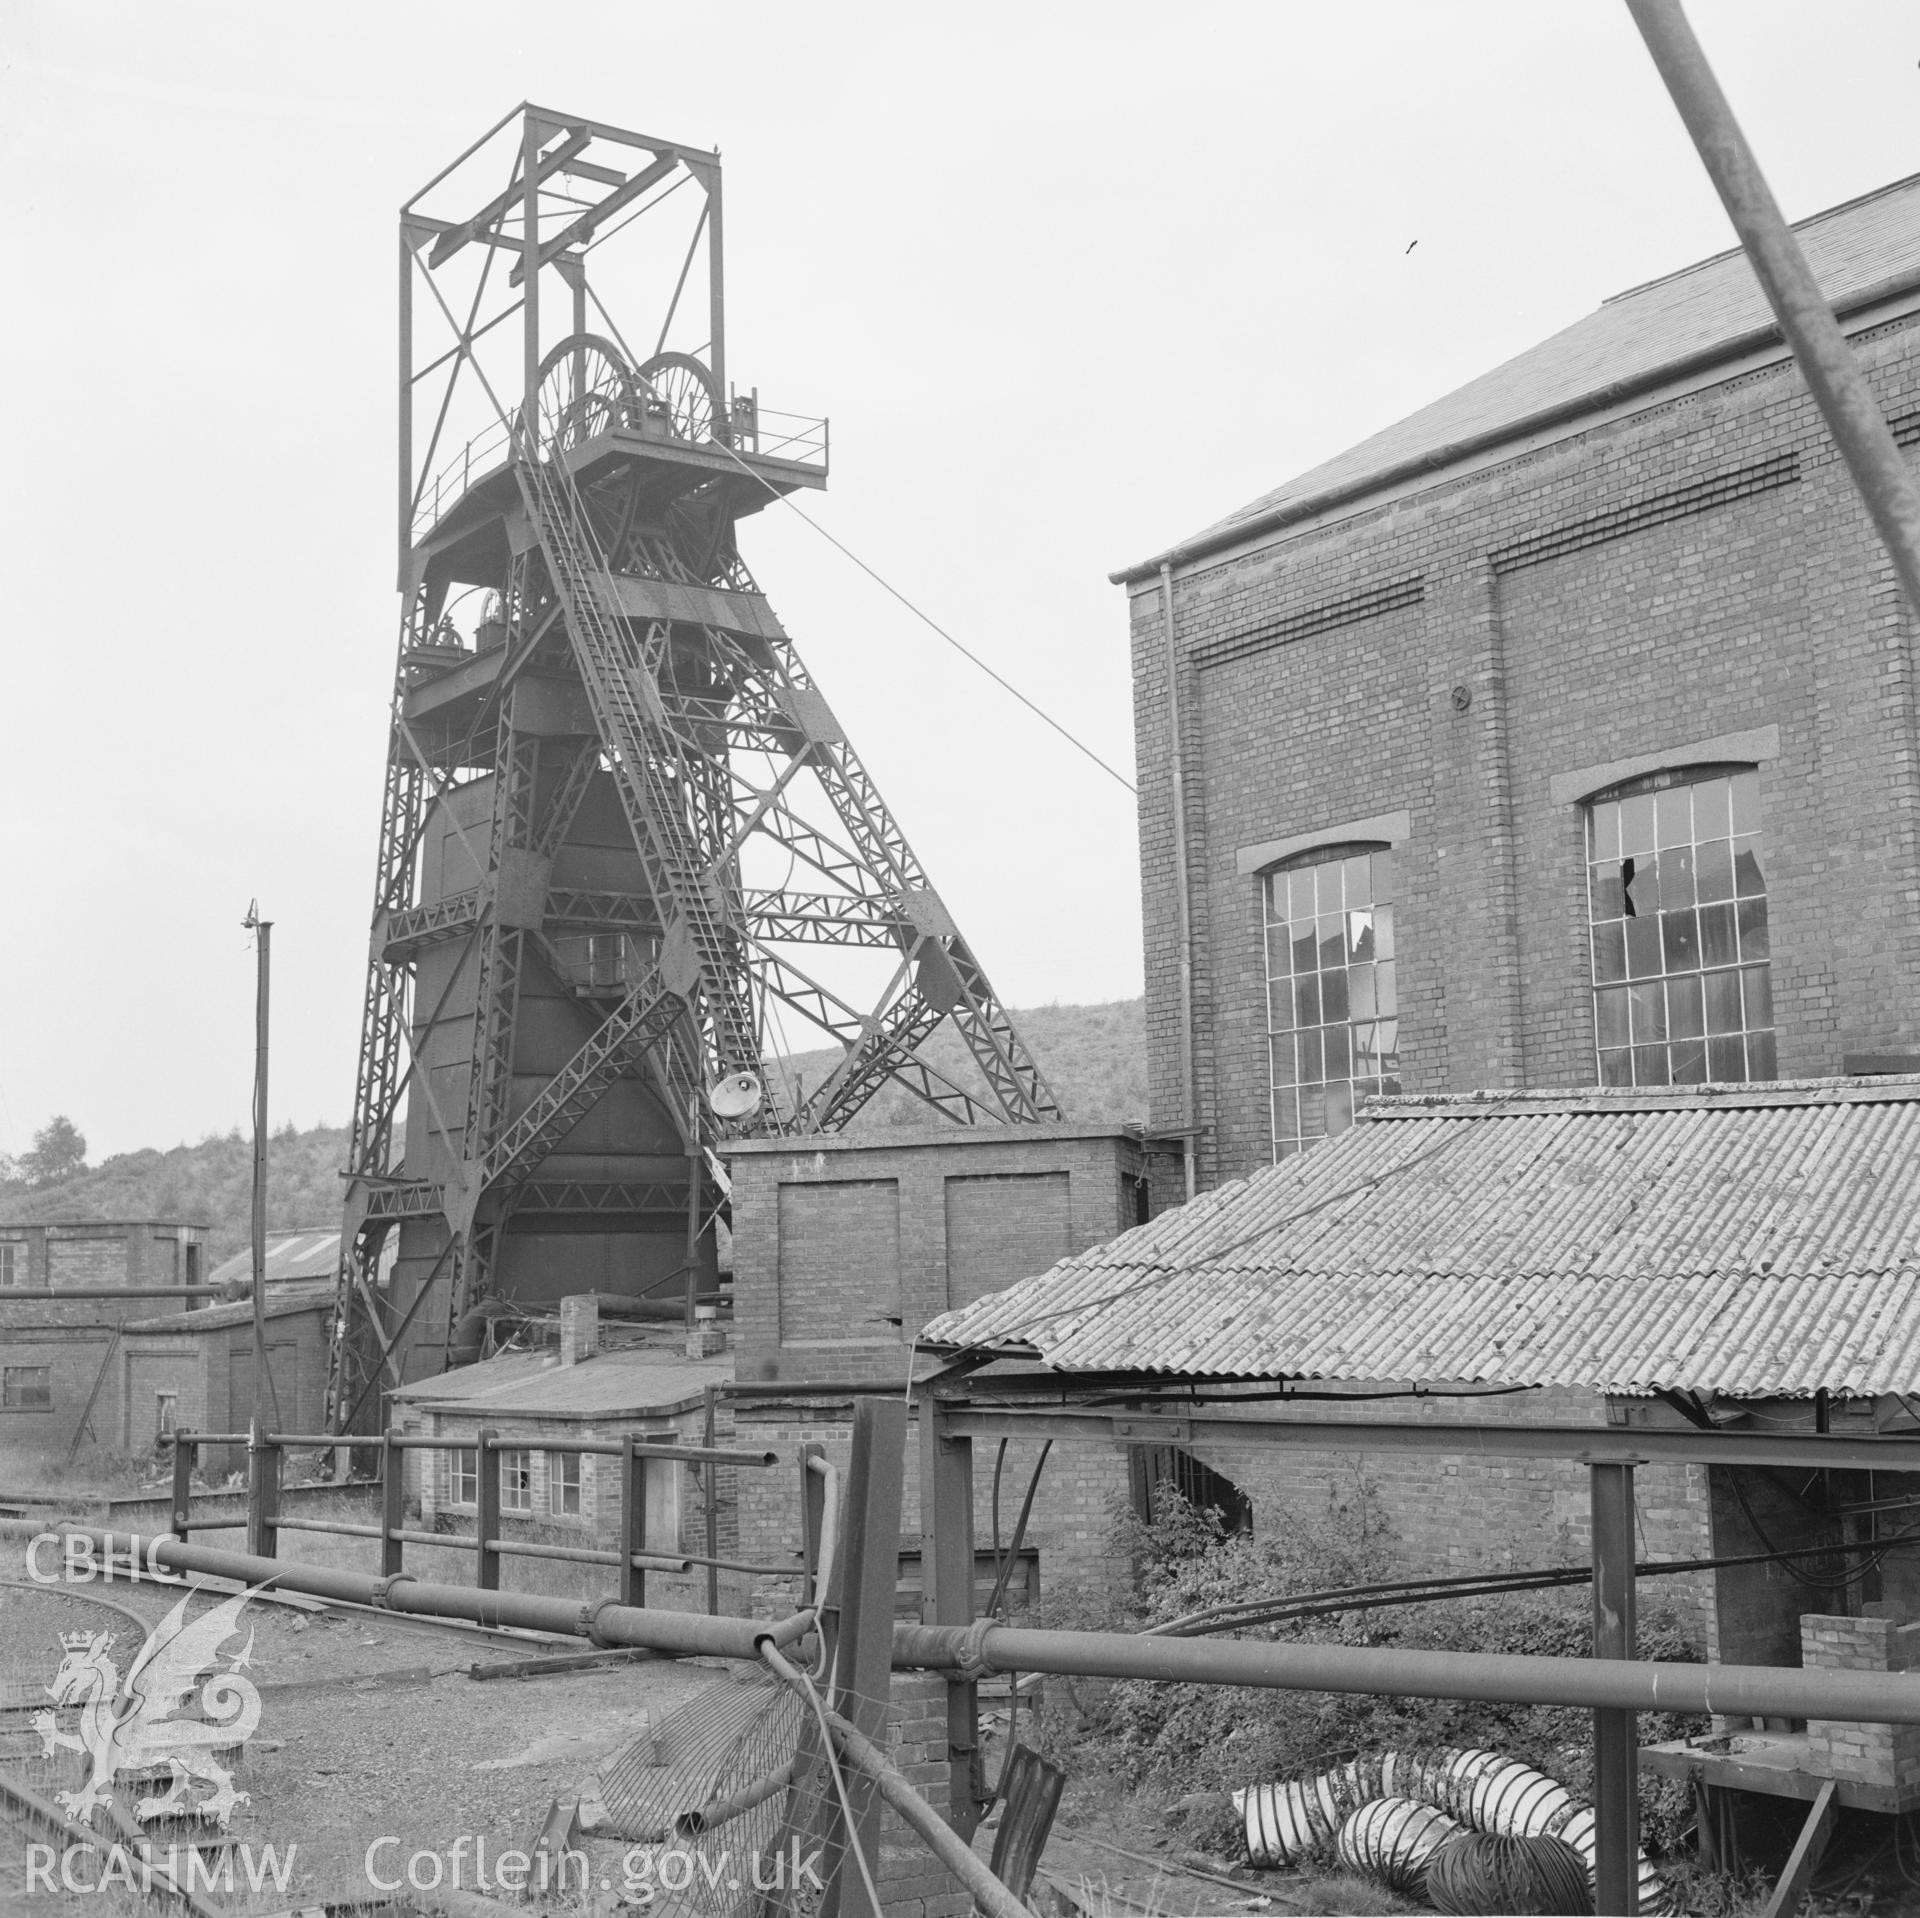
point(1481, 1790)
point(1393, 1840)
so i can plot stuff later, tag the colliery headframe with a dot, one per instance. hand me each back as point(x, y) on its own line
point(623, 837)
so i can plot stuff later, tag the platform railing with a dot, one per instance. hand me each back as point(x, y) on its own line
point(267, 1518)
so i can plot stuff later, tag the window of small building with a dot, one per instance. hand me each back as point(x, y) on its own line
point(563, 1484)
point(166, 1414)
point(13, 1262)
point(516, 1481)
point(1677, 906)
point(463, 1475)
point(26, 1388)
point(1333, 1005)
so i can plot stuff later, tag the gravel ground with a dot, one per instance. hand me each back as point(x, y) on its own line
point(369, 1729)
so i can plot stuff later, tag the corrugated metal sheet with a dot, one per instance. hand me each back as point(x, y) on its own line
point(1850, 248)
point(1749, 1240)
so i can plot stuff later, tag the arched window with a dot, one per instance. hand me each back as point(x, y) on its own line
point(1333, 1027)
point(1677, 904)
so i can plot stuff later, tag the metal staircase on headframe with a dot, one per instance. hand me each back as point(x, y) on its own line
point(623, 838)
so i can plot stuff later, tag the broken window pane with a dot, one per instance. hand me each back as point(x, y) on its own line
point(1682, 914)
point(1713, 870)
point(1331, 929)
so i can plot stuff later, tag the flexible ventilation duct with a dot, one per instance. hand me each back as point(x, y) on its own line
point(1394, 1840)
point(1480, 1873)
point(1482, 1790)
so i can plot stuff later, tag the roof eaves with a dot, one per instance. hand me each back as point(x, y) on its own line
point(1285, 513)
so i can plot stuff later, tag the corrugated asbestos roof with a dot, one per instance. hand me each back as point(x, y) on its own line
point(1752, 1240)
point(1851, 249)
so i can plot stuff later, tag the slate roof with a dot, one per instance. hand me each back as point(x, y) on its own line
point(1859, 251)
point(641, 1382)
point(1758, 1241)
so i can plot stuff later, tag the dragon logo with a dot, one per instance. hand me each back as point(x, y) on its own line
point(132, 1727)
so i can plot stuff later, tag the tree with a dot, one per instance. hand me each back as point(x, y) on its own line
point(59, 1150)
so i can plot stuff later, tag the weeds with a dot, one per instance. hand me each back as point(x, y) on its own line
point(1199, 1738)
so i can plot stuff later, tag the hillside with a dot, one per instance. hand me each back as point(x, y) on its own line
point(1093, 1056)
point(205, 1184)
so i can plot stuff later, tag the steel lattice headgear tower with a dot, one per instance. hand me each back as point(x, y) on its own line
point(622, 829)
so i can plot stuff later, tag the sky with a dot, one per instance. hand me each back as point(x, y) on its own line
point(1069, 280)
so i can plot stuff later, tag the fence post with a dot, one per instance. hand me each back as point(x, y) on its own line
point(263, 1494)
point(633, 1522)
point(711, 1489)
point(183, 1453)
point(486, 1511)
point(1616, 1797)
point(947, 1596)
point(863, 1661)
point(393, 1503)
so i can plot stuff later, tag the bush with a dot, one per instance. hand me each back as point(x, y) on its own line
point(1194, 1738)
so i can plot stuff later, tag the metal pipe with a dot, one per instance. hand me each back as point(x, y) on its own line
point(263, 943)
point(941, 1839)
point(1639, 1444)
point(680, 1634)
point(1616, 1744)
point(1832, 374)
point(829, 1526)
point(73, 1294)
point(1739, 1691)
point(1182, 905)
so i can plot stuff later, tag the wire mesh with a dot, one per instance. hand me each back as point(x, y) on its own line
point(725, 1804)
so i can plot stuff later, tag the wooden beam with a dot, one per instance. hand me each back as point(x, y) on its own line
point(1807, 1851)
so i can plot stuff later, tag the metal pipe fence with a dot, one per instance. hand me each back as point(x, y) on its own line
point(481, 1459)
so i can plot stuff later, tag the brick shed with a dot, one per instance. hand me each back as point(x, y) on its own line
point(845, 1246)
point(552, 1399)
point(196, 1371)
point(62, 1367)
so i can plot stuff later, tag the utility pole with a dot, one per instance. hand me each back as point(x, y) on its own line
point(262, 929)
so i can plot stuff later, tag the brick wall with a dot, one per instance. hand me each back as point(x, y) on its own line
point(1876, 1754)
point(1447, 1512)
point(833, 1242)
point(1771, 609)
point(912, 1882)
